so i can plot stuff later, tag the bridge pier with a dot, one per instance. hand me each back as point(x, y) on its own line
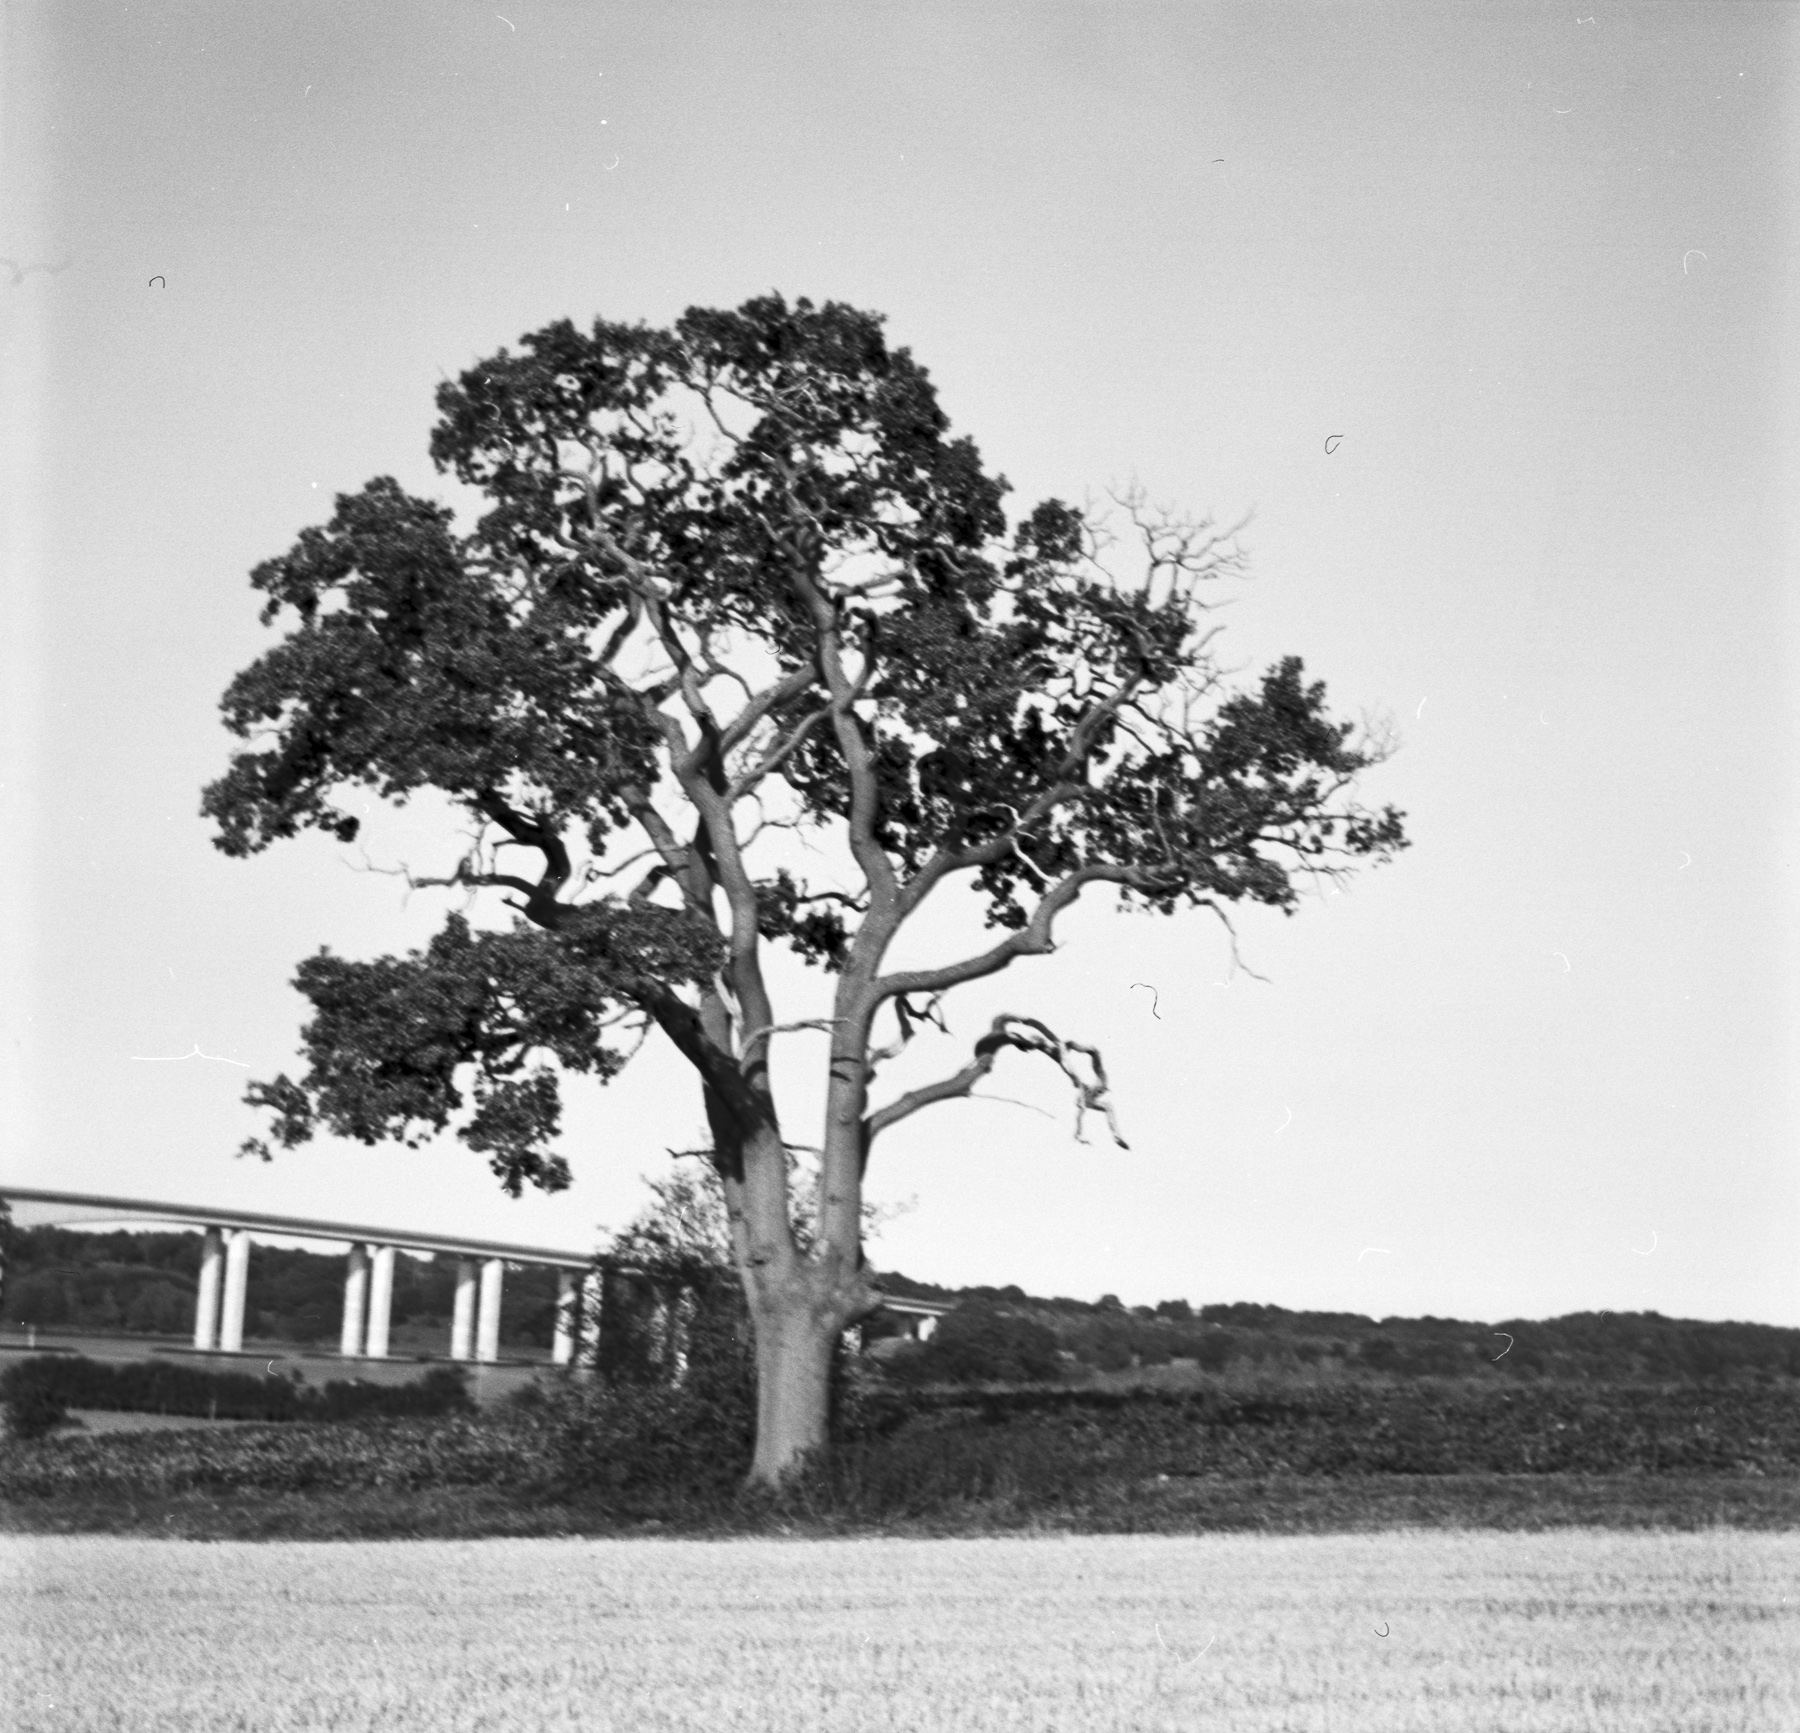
point(237, 1276)
point(587, 1346)
point(356, 1300)
point(206, 1300)
point(381, 1301)
point(568, 1303)
point(487, 1329)
point(462, 1319)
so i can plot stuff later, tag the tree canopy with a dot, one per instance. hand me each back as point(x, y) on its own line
point(736, 581)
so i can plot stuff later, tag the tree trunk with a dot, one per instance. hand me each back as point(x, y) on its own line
point(793, 1381)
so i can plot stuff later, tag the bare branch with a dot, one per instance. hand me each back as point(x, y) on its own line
point(594, 872)
point(822, 1024)
point(1092, 1092)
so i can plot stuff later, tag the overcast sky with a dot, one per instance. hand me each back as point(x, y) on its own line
point(1523, 265)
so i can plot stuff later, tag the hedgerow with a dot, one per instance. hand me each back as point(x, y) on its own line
point(1443, 1427)
point(387, 1455)
point(35, 1393)
point(648, 1451)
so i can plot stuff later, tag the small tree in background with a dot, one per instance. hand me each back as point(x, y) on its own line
point(739, 589)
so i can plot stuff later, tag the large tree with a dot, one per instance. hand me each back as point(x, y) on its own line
point(738, 588)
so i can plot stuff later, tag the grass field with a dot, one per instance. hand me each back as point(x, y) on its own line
point(1576, 1630)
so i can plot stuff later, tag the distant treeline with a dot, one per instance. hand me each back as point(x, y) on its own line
point(1005, 1335)
point(145, 1283)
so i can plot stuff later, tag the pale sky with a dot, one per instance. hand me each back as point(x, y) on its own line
point(1529, 262)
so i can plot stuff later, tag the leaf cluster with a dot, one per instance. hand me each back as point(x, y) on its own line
point(389, 1039)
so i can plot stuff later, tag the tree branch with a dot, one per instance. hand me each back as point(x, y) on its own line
point(1034, 939)
point(865, 796)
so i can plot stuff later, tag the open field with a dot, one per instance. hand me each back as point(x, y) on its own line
point(1693, 1633)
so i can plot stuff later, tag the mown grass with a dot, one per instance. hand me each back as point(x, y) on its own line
point(1396, 1633)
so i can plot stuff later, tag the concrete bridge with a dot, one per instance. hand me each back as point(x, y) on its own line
point(369, 1277)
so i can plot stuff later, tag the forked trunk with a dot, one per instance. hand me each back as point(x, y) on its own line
point(799, 1304)
point(793, 1389)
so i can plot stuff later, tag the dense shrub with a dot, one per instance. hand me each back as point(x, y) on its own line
point(632, 1440)
point(34, 1412)
point(980, 1344)
point(661, 1421)
point(165, 1387)
point(442, 1390)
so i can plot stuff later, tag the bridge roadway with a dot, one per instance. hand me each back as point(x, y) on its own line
point(369, 1278)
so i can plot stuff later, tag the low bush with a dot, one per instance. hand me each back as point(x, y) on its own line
point(35, 1412)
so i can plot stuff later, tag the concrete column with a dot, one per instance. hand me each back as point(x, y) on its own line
point(925, 1330)
point(568, 1303)
point(462, 1320)
point(487, 1329)
point(356, 1300)
point(681, 1324)
point(237, 1274)
point(206, 1301)
point(587, 1334)
point(381, 1301)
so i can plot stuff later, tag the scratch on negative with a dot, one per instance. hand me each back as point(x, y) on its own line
point(176, 1058)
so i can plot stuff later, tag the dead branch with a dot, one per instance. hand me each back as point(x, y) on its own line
point(1092, 1091)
